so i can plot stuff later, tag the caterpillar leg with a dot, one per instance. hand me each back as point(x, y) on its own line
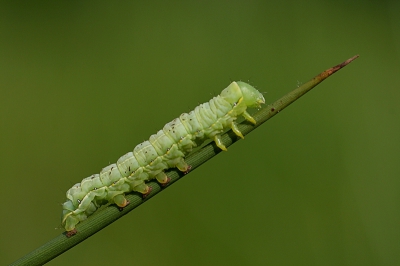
point(70, 222)
point(144, 189)
point(218, 142)
point(188, 169)
point(121, 202)
point(236, 130)
point(71, 233)
point(183, 166)
point(163, 179)
point(249, 117)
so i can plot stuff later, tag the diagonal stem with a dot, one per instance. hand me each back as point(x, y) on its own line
point(108, 215)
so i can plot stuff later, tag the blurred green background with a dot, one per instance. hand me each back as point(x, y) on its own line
point(83, 82)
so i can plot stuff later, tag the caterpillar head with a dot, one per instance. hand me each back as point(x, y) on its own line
point(239, 89)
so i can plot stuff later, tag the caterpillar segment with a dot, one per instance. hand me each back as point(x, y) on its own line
point(165, 149)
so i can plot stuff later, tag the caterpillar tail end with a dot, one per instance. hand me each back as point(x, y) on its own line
point(71, 233)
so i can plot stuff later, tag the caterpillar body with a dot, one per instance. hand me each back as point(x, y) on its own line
point(165, 149)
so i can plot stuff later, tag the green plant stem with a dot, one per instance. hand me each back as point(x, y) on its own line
point(109, 214)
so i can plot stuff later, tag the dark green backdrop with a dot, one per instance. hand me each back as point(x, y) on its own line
point(81, 83)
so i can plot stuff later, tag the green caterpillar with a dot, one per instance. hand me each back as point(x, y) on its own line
point(163, 150)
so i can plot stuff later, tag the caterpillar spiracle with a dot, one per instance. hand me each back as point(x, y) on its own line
point(165, 149)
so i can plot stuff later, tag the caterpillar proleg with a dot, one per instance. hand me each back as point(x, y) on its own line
point(165, 149)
